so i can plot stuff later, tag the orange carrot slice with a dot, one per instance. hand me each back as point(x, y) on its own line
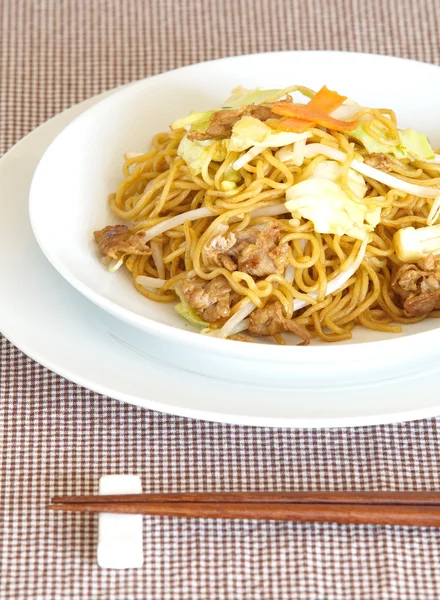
point(292, 124)
point(326, 100)
point(316, 112)
point(302, 112)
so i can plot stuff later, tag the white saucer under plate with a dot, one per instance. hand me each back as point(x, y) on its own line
point(51, 322)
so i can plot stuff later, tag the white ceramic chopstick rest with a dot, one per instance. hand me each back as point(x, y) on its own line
point(120, 536)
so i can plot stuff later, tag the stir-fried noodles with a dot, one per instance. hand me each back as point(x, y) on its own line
point(283, 211)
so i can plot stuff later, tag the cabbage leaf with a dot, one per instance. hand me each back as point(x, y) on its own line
point(412, 143)
point(188, 313)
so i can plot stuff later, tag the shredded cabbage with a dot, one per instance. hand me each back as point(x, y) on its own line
point(322, 200)
point(228, 186)
point(347, 111)
point(231, 178)
point(199, 121)
point(316, 149)
point(231, 175)
point(294, 153)
point(330, 169)
point(329, 208)
point(193, 120)
point(412, 143)
point(415, 144)
point(240, 96)
point(188, 313)
point(249, 131)
point(194, 153)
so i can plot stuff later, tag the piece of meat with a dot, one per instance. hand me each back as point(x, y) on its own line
point(198, 136)
point(270, 321)
point(423, 304)
point(223, 121)
point(418, 286)
point(259, 252)
point(116, 240)
point(379, 161)
point(255, 251)
point(406, 280)
point(212, 300)
point(259, 111)
point(218, 249)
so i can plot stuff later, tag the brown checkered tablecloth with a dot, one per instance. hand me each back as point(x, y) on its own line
point(57, 437)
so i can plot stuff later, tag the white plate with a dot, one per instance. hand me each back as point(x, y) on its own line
point(77, 172)
point(42, 315)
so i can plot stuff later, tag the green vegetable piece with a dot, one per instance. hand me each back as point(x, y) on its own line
point(188, 313)
point(412, 143)
point(416, 144)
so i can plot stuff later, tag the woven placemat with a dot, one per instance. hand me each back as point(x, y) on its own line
point(59, 438)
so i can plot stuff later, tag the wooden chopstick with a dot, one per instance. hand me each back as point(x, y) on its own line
point(377, 514)
point(405, 498)
point(379, 508)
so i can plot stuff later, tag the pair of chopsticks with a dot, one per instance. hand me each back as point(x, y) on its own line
point(379, 508)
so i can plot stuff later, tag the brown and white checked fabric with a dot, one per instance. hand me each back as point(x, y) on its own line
point(59, 438)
